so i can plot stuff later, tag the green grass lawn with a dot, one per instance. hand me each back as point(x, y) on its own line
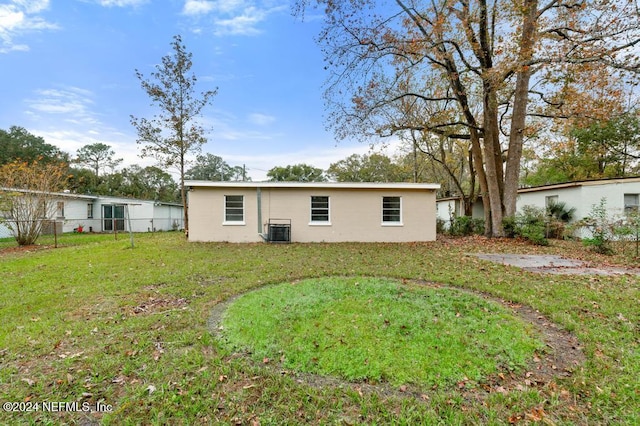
point(98, 322)
point(377, 330)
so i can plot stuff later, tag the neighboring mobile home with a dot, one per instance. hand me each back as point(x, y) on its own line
point(621, 195)
point(99, 213)
point(311, 212)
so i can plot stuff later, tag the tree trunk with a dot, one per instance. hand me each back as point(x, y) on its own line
point(476, 154)
point(493, 160)
point(518, 119)
point(183, 195)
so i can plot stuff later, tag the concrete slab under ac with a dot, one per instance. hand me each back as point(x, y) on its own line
point(553, 264)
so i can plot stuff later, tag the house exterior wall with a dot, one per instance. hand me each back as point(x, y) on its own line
point(446, 208)
point(146, 215)
point(570, 196)
point(75, 214)
point(167, 217)
point(355, 214)
point(584, 196)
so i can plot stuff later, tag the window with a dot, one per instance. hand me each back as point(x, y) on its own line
point(550, 200)
point(234, 209)
point(90, 211)
point(391, 210)
point(320, 209)
point(112, 217)
point(630, 203)
point(60, 209)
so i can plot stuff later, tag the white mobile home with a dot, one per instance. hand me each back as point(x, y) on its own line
point(311, 212)
point(98, 213)
point(620, 195)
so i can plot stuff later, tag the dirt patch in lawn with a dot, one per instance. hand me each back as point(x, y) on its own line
point(554, 264)
point(561, 356)
point(23, 249)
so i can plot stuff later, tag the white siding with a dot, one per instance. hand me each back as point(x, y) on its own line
point(583, 197)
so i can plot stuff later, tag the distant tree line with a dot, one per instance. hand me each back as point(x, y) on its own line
point(94, 169)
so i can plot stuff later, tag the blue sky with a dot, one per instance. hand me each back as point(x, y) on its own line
point(67, 73)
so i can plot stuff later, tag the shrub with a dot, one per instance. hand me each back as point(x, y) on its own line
point(466, 225)
point(532, 225)
point(627, 231)
point(558, 215)
point(529, 224)
point(600, 227)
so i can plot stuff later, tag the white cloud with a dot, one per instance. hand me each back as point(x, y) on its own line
point(261, 119)
point(73, 102)
point(244, 24)
point(18, 18)
point(122, 3)
point(198, 7)
point(70, 140)
point(232, 17)
point(66, 118)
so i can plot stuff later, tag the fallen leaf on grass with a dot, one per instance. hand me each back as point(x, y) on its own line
point(120, 380)
point(536, 414)
point(28, 381)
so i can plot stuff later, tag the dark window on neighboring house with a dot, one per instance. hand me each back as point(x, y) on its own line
point(60, 209)
point(234, 208)
point(90, 211)
point(319, 209)
point(391, 210)
point(630, 203)
point(550, 200)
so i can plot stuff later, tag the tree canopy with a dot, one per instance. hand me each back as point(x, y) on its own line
point(98, 156)
point(19, 144)
point(174, 132)
point(368, 168)
point(599, 149)
point(212, 167)
point(478, 71)
point(296, 173)
point(29, 197)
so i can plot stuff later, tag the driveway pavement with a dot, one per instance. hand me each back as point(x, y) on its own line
point(553, 264)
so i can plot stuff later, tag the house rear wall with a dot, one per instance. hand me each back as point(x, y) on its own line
point(355, 215)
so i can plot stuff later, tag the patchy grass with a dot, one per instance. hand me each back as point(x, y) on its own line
point(99, 322)
point(378, 330)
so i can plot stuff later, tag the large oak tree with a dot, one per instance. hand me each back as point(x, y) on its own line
point(473, 70)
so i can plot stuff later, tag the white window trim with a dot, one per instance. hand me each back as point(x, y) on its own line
point(382, 222)
point(226, 222)
point(319, 222)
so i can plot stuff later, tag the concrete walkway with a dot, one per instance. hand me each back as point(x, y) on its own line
point(552, 264)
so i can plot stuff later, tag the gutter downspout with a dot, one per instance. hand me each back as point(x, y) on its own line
point(259, 199)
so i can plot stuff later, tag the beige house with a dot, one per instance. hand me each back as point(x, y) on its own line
point(311, 212)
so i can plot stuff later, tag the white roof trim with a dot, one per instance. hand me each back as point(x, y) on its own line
point(329, 185)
